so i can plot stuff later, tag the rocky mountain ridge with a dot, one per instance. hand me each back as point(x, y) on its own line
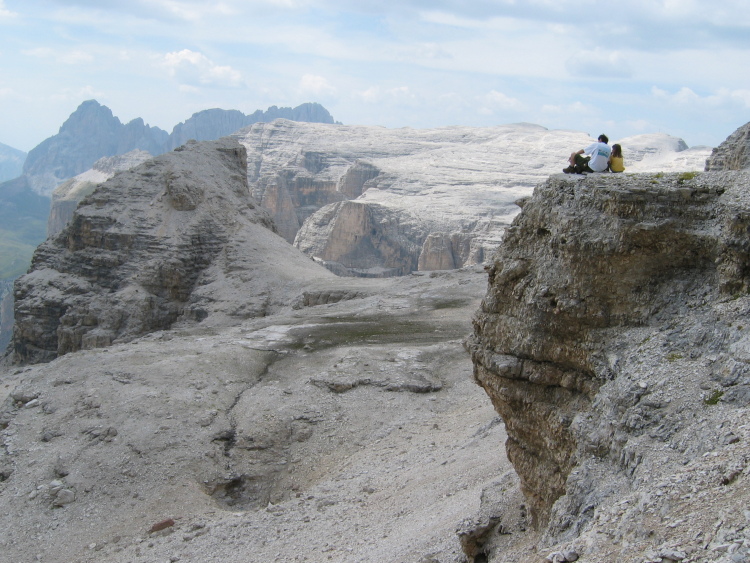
point(93, 132)
point(205, 372)
point(69, 194)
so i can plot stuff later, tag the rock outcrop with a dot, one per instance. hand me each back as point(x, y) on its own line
point(613, 341)
point(733, 153)
point(69, 194)
point(448, 193)
point(352, 238)
point(164, 242)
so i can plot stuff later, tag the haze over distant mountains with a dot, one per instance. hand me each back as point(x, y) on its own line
point(11, 162)
point(93, 132)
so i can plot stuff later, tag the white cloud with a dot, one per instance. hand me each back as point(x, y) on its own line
point(686, 97)
point(498, 100)
point(316, 85)
point(398, 95)
point(5, 13)
point(575, 108)
point(195, 69)
point(599, 64)
point(428, 51)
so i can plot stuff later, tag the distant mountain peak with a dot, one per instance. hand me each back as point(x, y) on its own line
point(92, 132)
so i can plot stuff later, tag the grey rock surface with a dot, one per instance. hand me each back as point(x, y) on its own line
point(67, 196)
point(169, 241)
point(343, 427)
point(612, 342)
point(733, 153)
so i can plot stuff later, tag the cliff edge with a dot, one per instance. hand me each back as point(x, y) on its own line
point(613, 340)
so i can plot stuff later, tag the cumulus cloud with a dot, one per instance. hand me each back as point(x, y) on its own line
point(499, 100)
point(575, 108)
point(599, 64)
point(687, 97)
point(376, 94)
point(191, 68)
point(316, 85)
point(4, 12)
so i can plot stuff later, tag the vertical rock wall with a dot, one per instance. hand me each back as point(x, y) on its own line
point(585, 259)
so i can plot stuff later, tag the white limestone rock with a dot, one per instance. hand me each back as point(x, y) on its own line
point(450, 192)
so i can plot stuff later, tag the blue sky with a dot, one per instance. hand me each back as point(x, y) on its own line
point(621, 67)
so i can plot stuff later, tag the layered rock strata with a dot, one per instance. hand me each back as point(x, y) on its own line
point(170, 240)
point(733, 153)
point(606, 331)
point(70, 193)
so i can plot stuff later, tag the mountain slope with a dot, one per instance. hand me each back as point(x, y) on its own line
point(11, 162)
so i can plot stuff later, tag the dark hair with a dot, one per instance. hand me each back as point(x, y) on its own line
point(603, 138)
point(616, 150)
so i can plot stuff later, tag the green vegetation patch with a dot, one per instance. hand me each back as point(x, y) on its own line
point(714, 398)
point(686, 176)
point(17, 248)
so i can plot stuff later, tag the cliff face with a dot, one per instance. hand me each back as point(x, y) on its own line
point(613, 342)
point(444, 195)
point(733, 153)
point(162, 242)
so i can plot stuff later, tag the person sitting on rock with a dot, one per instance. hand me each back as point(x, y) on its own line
point(616, 163)
point(596, 158)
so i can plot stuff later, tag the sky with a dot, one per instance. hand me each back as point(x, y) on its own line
point(620, 67)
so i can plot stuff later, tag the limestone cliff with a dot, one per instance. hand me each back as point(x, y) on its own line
point(733, 153)
point(613, 341)
point(167, 241)
point(453, 188)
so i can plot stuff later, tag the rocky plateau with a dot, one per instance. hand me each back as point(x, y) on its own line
point(186, 385)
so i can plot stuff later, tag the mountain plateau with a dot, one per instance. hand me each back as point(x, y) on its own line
point(208, 392)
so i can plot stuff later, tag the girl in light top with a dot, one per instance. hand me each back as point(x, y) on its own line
point(615, 159)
